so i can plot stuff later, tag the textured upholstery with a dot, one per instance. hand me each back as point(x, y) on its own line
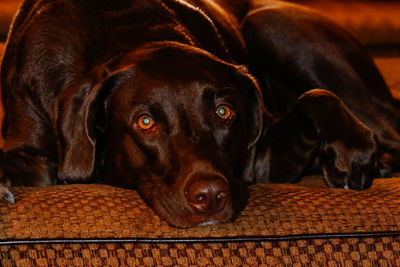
point(100, 211)
point(380, 251)
point(281, 224)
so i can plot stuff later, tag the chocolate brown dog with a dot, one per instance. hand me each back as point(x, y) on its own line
point(187, 101)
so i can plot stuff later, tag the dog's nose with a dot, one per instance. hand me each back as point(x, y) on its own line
point(207, 195)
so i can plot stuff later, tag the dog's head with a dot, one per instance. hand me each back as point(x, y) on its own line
point(177, 124)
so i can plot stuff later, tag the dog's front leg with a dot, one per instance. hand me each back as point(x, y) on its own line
point(4, 191)
point(319, 125)
point(6, 194)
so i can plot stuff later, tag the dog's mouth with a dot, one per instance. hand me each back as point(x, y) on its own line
point(185, 218)
point(201, 203)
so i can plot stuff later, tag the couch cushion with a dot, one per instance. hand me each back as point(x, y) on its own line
point(100, 225)
point(378, 251)
point(274, 211)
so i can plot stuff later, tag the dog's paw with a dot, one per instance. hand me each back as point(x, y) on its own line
point(6, 193)
point(351, 163)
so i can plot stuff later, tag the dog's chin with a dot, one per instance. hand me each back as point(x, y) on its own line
point(184, 217)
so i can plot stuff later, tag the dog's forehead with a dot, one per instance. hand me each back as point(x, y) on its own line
point(175, 99)
point(177, 64)
point(179, 84)
point(173, 88)
point(177, 80)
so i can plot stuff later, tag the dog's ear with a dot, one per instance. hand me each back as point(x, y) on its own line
point(77, 112)
point(258, 119)
point(254, 106)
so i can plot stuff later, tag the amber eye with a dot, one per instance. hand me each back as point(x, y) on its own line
point(145, 122)
point(224, 112)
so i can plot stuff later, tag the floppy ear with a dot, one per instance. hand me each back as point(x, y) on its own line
point(74, 122)
point(77, 112)
point(258, 119)
point(256, 113)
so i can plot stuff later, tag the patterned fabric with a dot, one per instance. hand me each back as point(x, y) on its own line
point(281, 225)
point(100, 211)
point(335, 252)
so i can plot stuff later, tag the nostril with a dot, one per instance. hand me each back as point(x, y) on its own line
point(221, 196)
point(201, 198)
point(207, 195)
point(200, 201)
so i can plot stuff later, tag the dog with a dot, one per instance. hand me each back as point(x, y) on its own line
point(189, 101)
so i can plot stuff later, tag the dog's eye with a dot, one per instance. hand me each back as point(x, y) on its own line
point(145, 122)
point(224, 112)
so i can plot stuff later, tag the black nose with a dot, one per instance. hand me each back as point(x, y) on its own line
point(207, 195)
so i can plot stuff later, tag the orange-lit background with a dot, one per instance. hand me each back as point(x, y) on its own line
point(7, 11)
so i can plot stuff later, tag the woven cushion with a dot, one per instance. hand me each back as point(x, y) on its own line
point(100, 225)
point(381, 251)
point(274, 210)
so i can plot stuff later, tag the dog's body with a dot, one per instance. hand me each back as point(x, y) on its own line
point(157, 96)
